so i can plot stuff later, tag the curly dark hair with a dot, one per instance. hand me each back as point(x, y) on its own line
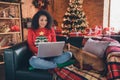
point(35, 19)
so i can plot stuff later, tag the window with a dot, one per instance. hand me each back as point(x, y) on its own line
point(115, 14)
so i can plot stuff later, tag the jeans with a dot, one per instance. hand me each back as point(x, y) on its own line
point(49, 63)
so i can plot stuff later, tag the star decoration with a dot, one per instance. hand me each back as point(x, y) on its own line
point(41, 33)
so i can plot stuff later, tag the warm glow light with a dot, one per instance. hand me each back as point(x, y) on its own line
point(115, 15)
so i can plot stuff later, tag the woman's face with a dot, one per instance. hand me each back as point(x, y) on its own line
point(42, 21)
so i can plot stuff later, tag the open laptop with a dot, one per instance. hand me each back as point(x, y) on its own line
point(50, 49)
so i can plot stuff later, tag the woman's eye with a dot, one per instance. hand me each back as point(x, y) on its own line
point(43, 20)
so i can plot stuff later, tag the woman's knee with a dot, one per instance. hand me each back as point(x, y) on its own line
point(63, 58)
point(68, 54)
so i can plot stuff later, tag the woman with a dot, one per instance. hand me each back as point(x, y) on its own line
point(41, 26)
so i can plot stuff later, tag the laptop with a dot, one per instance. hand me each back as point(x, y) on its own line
point(50, 49)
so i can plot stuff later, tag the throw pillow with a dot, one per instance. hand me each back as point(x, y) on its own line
point(96, 47)
point(94, 38)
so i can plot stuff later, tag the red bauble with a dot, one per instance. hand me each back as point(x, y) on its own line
point(11, 28)
point(15, 28)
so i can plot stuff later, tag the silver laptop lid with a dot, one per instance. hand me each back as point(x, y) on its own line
point(50, 49)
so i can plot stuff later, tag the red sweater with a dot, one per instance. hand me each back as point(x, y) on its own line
point(32, 34)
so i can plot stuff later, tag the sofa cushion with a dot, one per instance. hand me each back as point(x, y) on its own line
point(96, 47)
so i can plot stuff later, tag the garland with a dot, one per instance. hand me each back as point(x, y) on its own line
point(40, 4)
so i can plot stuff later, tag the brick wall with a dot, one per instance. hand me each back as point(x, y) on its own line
point(28, 10)
point(94, 11)
point(57, 8)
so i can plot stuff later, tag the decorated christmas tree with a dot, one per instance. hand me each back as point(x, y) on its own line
point(74, 19)
point(40, 38)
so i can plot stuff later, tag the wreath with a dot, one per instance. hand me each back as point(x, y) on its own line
point(40, 4)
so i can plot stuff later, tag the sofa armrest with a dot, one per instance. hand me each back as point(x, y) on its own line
point(113, 66)
point(16, 57)
point(9, 65)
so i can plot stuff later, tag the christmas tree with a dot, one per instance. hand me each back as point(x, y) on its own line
point(40, 38)
point(74, 19)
